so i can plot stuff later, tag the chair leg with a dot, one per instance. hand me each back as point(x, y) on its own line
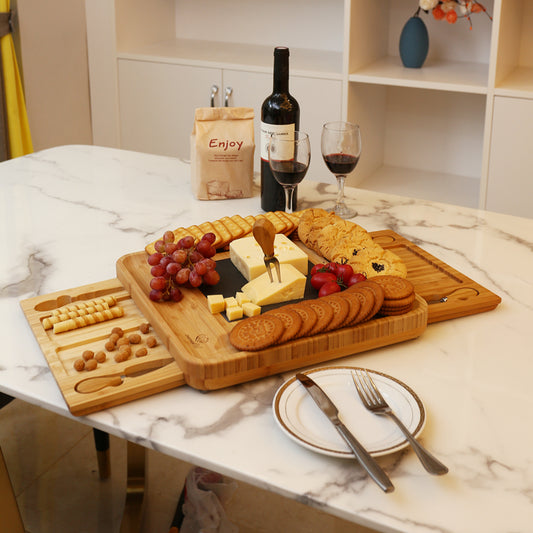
point(9, 511)
point(101, 442)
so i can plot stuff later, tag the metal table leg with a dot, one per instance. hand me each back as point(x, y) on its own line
point(133, 509)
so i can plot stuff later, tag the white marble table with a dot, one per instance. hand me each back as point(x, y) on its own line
point(69, 213)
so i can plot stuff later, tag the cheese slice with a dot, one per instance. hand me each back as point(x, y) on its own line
point(216, 303)
point(247, 256)
point(264, 292)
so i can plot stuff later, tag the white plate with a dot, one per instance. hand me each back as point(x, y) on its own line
point(302, 420)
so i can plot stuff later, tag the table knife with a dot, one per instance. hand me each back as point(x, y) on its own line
point(96, 383)
point(331, 411)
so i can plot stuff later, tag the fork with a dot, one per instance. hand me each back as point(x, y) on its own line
point(374, 401)
point(265, 233)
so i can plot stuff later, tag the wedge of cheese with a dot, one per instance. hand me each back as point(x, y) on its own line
point(264, 292)
point(247, 256)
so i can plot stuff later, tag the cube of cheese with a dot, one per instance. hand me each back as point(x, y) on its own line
point(247, 255)
point(234, 313)
point(241, 298)
point(251, 309)
point(230, 302)
point(216, 303)
point(264, 292)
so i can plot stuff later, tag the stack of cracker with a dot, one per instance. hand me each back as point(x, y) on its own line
point(384, 295)
point(399, 295)
point(344, 241)
point(229, 228)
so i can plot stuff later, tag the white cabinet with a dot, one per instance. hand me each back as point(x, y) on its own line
point(510, 185)
point(157, 103)
point(431, 133)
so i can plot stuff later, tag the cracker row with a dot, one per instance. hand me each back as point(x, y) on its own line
point(55, 318)
point(229, 228)
point(110, 301)
point(87, 320)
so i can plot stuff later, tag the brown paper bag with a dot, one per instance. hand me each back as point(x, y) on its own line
point(222, 153)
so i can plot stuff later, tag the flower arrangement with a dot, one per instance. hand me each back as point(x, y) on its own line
point(451, 10)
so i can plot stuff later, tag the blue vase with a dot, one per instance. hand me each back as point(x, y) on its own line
point(414, 43)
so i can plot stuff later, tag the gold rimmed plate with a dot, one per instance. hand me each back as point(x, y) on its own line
point(300, 419)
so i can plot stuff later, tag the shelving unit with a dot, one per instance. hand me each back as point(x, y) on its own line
point(428, 133)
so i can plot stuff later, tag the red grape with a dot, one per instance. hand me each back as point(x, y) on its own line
point(205, 248)
point(168, 237)
point(173, 268)
point(195, 256)
point(159, 246)
point(180, 256)
point(157, 270)
point(175, 294)
point(158, 283)
point(155, 258)
point(155, 295)
point(211, 277)
point(210, 237)
point(186, 242)
point(182, 276)
point(170, 248)
point(195, 279)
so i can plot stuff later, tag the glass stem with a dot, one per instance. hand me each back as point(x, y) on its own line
point(340, 189)
point(288, 199)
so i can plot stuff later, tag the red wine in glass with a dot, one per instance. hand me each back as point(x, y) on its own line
point(341, 163)
point(288, 158)
point(289, 172)
point(341, 149)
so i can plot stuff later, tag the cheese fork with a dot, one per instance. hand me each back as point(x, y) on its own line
point(264, 233)
point(374, 401)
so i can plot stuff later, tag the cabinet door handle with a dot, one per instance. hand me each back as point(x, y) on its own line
point(228, 93)
point(214, 91)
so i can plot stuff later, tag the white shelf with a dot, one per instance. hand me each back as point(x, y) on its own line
point(236, 56)
point(439, 75)
point(519, 83)
point(434, 186)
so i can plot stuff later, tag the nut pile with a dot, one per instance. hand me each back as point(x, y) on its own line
point(119, 344)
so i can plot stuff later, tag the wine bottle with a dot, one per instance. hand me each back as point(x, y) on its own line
point(280, 115)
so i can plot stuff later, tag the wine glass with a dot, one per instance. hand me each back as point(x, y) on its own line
point(341, 149)
point(289, 159)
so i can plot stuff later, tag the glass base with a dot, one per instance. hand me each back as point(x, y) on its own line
point(343, 211)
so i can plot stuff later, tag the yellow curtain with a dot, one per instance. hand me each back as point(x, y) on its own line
point(17, 118)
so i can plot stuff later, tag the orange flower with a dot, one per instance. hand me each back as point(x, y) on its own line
point(438, 13)
point(451, 16)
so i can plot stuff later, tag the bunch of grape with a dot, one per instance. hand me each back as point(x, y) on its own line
point(181, 263)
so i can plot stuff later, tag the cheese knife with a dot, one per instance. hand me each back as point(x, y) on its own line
point(264, 233)
point(96, 383)
point(331, 411)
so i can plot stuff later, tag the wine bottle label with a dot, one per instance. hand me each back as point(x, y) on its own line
point(267, 130)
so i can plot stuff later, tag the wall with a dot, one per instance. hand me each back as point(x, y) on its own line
point(54, 68)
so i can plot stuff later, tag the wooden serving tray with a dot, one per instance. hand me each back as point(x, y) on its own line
point(199, 340)
point(61, 350)
point(434, 279)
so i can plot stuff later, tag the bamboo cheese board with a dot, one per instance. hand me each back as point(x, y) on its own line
point(61, 350)
point(196, 342)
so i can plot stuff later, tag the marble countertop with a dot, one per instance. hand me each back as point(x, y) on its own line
point(69, 213)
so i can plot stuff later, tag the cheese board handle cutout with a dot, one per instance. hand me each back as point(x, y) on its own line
point(264, 233)
point(95, 384)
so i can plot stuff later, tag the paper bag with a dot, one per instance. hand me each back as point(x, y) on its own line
point(222, 153)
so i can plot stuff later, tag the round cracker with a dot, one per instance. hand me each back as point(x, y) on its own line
point(366, 298)
point(355, 305)
point(291, 320)
point(308, 315)
point(340, 307)
point(257, 332)
point(395, 287)
point(324, 313)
